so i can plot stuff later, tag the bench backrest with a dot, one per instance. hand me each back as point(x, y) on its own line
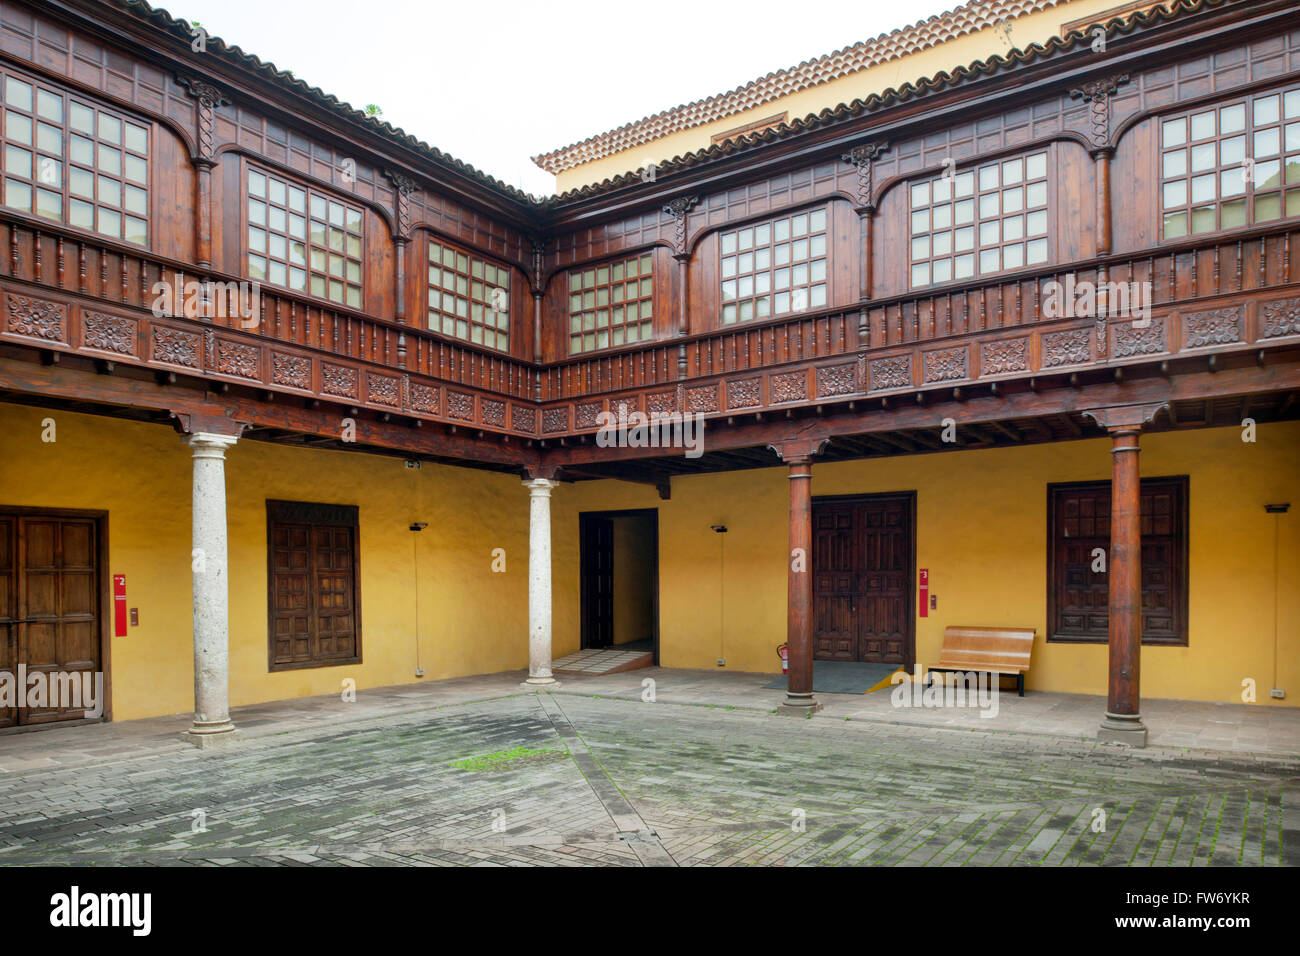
point(1005, 649)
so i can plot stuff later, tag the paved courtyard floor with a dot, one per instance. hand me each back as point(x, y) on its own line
point(477, 771)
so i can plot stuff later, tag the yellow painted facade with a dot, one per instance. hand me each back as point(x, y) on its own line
point(1036, 27)
point(981, 531)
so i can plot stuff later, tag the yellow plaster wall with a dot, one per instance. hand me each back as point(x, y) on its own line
point(471, 620)
point(962, 51)
point(982, 533)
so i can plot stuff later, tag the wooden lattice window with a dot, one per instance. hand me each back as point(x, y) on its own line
point(978, 222)
point(774, 268)
point(70, 160)
point(469, 297)
point(1231, 165)
point(302, 239)
point(611, 304)
point(1078, 597)
point(315, 615)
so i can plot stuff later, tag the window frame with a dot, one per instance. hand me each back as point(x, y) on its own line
point(1180, 585)
point(291, 181)
point(314, 515)
point(609, 285)
point(973, 168)
point(1248, 132)
point(430, 240)
point(771, 291)
point(68, 97)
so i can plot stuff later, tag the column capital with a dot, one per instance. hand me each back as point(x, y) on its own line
point(799, 451)
point(540, 487)
point(209, 444)
point(1125, 418)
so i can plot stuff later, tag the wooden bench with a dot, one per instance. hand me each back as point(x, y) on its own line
point(988, 650)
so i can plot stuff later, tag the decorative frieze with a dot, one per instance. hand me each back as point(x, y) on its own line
point(176, 347)
point(585, 414)
point(460, 405)
point(424, 398)
point(789, 387)
point(1216, 327)
point(893, 372)
point(38, 318)
point(555, 420)
point(1131, 339)
point(1281, 317)
point(384, 390)
point(291, 370)
point(836, 380)
point(744, 392)
point(493, 413)
point(109, 333)
point(338, 380)
point(1071, 347)
point(238, 359)
point(945, 365)
point(702, 399)
point(1004, 355)
point(523, 418)
point(661, 403)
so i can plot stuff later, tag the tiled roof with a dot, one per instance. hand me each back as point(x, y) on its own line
point(183, 29)
point(848, 111)
point(968, 18)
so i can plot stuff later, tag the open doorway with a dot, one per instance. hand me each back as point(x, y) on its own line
point(620, 580)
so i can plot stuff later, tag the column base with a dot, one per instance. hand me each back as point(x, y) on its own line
point(799, 705)
point(214, 733)
point(1123, 729)
point(540, 683)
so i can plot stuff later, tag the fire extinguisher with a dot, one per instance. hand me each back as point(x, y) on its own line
point(783, 652)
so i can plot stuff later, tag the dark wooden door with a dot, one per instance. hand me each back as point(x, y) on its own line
point(597, 565)
point(49, 605)
point(863, 567)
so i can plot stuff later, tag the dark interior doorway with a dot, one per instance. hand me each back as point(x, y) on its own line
point(864, 578)
point(620, 579)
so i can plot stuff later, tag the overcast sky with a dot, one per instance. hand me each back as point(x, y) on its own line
point(494, 82)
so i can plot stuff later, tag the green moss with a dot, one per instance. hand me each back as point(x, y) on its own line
point(496, 761)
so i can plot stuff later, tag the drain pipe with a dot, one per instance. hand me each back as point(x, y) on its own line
point(721, 529)
point(1277, 510)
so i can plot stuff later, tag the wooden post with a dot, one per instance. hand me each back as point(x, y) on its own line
point(1123, 723)
point(799, 700)
point(1123, 720)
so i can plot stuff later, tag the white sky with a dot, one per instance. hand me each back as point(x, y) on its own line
point(493, 82)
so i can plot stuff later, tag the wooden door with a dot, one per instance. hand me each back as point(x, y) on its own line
point(49, 605)
point(597, 567)
point(863, 566)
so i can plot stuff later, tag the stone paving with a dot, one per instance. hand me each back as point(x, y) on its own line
point(478, 772)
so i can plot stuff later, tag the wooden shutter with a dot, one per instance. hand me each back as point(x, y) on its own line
point(1078, 599)
point(313, 584)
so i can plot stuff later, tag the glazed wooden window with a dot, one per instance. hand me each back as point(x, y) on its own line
point(611, 304)
point(1231, 165)
point(989, 219)
point(469, 297)
point(314, 591)
point(774, 268)
point(1078, 598)
point(70, 160)
point(303, 240)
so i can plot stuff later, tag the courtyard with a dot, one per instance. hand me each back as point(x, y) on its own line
point(477, 771)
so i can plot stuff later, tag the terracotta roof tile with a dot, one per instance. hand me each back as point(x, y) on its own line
point(968, 18)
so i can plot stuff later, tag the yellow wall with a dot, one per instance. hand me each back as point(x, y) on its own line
point(981, 530)
point(471, 620)
point(982, 533)
point(962, 51)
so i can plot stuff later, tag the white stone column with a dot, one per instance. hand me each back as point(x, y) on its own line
point(212, 722)
point(539, 582)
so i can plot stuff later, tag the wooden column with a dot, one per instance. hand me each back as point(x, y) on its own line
point(1123, 720)
point(799, 700)
point(209, 99)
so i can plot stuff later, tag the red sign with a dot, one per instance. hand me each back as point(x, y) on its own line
point(924, 576)
point(119, 605)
